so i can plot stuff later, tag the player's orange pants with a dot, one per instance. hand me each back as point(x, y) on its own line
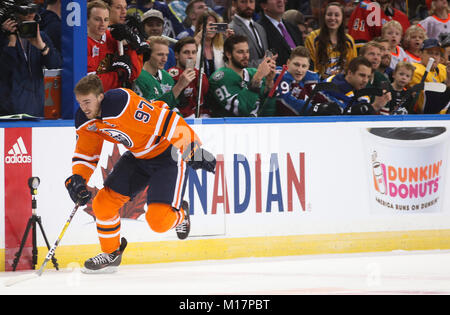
point(106, 205)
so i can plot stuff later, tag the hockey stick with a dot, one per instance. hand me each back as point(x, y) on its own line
point(322, 87)
point(49, 256)
point(272, 90)
point(202, 67)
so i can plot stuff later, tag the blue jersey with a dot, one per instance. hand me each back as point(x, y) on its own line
point(345, 96)
point(292, 96)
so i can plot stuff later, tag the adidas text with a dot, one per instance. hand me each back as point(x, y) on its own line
point(14, 159)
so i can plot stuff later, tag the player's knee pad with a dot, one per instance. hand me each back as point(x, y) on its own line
point(162, 217)
point(107, 203)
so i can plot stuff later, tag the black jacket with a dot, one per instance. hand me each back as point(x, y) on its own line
point(277, 43)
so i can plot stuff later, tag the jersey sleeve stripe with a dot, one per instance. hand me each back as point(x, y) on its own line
point(174, 126)
point(85, 164)
point(86, 157)
point(166, 124)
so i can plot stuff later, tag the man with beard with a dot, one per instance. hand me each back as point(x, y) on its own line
point(238, 91)
point(369, 16)
point(243, 24)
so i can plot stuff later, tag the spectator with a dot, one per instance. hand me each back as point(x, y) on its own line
point(194, 10)
point(243, 24)
point(330, 47)
point(385, 57)
point(103, 56)
point(392, 31)
point(356, 77)
point(296, 86)
point(172, 27)
point(282, 35)
point(295, 17)
point(372, 52)
point(213, 49)
point(186, 54)
point(402, 101)
point(153, 22)
point(51, 22)
point(117, 11)
point(413, 41)
point(365, 24)
point(434, 101)
point(22, 61)
point(155, 83)
point(439, 20)
point(236, 90)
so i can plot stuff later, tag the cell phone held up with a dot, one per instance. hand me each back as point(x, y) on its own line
point(190, 63)
point(220, 27)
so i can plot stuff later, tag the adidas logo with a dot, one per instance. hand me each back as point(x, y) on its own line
point(18, 153)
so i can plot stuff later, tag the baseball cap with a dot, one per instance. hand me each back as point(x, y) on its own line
point(152, 13)
point(430, 43)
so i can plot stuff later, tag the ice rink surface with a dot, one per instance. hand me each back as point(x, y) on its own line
point(392, 273)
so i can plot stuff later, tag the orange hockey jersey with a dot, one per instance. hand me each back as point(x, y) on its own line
point(145, 128)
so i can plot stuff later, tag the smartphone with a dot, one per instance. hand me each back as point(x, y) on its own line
point(220, 27)
point(190, 63)
point(269, 54)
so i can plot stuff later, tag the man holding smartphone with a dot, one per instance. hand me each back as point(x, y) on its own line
point(154, 83)
point(185, 54)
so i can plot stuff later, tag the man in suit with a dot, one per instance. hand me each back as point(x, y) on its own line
point(243, 24)
point(282, 35)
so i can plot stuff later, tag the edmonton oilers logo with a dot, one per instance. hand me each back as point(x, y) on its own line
point(119, 136)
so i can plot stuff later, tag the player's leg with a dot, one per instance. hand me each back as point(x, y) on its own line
point(124, 182)
point(166, 208)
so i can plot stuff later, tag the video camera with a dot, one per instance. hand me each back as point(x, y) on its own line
point(9, 9)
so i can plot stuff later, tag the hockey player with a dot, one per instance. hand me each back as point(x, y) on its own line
point(161, 146)
point(297, 84)
point(186, 54)
point(356, 78)
point(235, 90)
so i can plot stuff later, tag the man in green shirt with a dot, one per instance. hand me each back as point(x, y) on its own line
point(236, 90)
point(154, 83)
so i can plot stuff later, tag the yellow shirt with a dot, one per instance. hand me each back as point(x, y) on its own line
point(437, 75)
point(331, 67)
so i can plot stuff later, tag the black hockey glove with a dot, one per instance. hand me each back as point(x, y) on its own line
point(76, 185)
point(360, 109)
point(122, 64)
point(325, 109)
point(124, 32)
point(197, 157)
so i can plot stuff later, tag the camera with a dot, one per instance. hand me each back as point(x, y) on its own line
point(9, 9)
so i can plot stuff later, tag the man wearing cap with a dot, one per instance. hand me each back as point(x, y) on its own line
point(153, 22)
point(430, 102)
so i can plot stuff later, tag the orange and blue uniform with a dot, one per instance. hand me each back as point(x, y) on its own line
point(156, 138)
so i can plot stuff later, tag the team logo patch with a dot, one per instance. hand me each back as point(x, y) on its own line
point(218, 75)
point(119, 136)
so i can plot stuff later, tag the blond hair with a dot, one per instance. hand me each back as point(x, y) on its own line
point(218, 39)
point(152, 40)
point(405, 64)
point(96, 4)
point(392, 23)
point(89, 84)
point(372, 43)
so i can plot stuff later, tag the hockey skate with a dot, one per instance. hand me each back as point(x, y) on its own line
point(184, 227)
point(105, 263)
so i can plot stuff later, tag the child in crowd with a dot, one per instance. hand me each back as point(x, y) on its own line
point(392, 31)
point(297, 84)
point(402, 102)
point(439, 20)
point(413, 41)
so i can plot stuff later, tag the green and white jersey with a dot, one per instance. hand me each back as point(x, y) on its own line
point(229, 94)
point(157, 87)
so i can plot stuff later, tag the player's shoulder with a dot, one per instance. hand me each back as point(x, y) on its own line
point(115, 101)
point(311, 77)
point(222, 73)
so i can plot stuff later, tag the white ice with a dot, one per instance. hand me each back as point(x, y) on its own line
point(398, 273)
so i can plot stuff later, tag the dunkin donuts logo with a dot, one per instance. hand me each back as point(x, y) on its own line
point(406, 183)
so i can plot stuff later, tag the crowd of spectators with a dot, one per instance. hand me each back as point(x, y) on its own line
point(222, 58)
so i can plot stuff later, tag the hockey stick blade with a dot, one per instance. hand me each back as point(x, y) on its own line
point(434, 87)
point(21, 278)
